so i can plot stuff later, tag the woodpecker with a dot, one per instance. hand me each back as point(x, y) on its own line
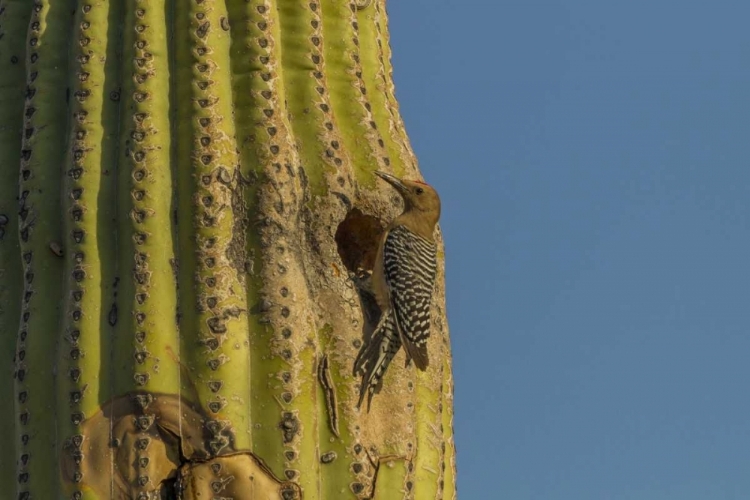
point(403, 280)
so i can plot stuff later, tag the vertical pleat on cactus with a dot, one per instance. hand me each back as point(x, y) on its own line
point(186, 191)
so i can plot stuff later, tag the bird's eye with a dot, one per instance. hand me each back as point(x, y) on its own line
point(419, 190)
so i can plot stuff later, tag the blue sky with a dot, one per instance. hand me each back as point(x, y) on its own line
point(594, 163)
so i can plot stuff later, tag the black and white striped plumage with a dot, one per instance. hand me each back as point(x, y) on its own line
point(374, 358)
point(409, 268)
point(410, 264)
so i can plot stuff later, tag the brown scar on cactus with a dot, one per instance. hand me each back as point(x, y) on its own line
point(242, 475)
point(56, 248)
point(329, 390)
point(163, 442)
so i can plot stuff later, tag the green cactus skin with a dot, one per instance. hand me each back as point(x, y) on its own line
point(213, 311)
point(193, 191)
point(374, 43)
point(43, 147)
point(14, 21)
point(89, 235)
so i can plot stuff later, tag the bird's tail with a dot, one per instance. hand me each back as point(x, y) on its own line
point(374, 358)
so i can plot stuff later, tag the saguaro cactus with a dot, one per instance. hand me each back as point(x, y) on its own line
point(186, 191)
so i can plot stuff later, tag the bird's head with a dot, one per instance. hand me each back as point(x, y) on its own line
point(418, 196)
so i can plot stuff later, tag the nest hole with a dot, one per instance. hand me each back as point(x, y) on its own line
point(357, 239)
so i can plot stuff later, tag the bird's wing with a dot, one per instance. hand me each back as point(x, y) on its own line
point(375, 356)
point(410, 265)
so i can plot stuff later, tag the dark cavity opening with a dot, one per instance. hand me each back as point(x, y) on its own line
point(357, 239)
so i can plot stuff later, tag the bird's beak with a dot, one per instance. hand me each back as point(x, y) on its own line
point(393, 181)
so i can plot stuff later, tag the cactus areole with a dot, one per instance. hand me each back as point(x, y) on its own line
point(187, 200)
